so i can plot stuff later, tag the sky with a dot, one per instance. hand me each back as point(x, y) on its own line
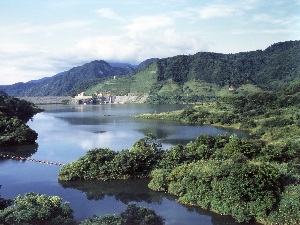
point(40, 38)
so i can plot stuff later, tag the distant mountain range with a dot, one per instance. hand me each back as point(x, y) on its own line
point(183, 75)
point(62, 83)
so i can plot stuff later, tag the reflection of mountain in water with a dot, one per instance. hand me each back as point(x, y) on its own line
point(25, 151)
point(125, 191)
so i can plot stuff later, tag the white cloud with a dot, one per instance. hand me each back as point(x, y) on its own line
point(214, 11)
point(108, 13)
point(146, 23)
point(225, 10)
point(32, 47)
point(128, 47)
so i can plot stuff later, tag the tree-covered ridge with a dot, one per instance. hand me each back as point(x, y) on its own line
point(61, 84)
point(206, 75)
point(182, 78)
point(279, 62)
point(75, 80)
point(270, 115)
point(14, 113)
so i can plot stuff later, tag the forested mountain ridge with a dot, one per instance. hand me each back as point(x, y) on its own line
point(62, 83)
point(182, 78)
point(206, 75)
point(279, 62)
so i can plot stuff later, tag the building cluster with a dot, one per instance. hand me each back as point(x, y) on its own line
point(97, 98)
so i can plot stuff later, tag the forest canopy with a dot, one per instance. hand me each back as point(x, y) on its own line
point(14, 113)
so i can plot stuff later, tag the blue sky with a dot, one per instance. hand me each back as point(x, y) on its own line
point(42, 38)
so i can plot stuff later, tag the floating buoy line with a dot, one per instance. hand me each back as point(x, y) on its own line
point(30, 159)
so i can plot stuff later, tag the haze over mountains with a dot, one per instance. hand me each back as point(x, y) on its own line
point(267, 69)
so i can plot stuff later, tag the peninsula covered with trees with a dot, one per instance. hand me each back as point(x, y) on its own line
point(14, 114)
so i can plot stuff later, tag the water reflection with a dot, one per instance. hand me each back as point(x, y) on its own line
point(126, 191)
point(66, 132)
point(25, 151)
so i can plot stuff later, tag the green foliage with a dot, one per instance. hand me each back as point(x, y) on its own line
point(84, 85)
point(37, 209)
point(257, 67)
point(62, 83)
point(105, 164)
point(246, 190)
point(132, 215)
point(13, 115)
point(288, 211)
point(102, 220)
point(230, 175)
point(95, 165)
point(15, 132)
point(14, 107)
point(197, 77)
point(159, 180)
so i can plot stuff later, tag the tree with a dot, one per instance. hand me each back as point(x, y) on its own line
point(37, 209)
point(132, 215)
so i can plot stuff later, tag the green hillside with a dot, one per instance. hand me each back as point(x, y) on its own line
point(206, 75)
point(68, 82)
point(139, 83)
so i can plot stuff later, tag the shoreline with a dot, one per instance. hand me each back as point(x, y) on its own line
point(44, 100)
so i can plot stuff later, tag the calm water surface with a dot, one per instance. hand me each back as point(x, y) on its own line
point(67, 132)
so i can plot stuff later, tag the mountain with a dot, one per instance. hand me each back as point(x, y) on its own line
point(182, 78)
point(122, 65)
point(145, 63)
point(279, 62)
point(62, 83)
point(206, 75)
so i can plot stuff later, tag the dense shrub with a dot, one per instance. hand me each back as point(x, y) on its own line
point(37, 209)
point(95, 165)
point(159, 180)
point(132, 215)
point(15, 132)
point(234, 176)
point(105, 164)
point(247, 190)
point(14, 113)
point(288, 211)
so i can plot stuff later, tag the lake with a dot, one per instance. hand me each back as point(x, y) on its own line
point(67, 132)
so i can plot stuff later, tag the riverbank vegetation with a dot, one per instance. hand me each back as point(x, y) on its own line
point(132, 215)
point(234, 176)
point(37, 209)
point(272, 116)
point(251, 179)
point(41, 209)
point(14, 113)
